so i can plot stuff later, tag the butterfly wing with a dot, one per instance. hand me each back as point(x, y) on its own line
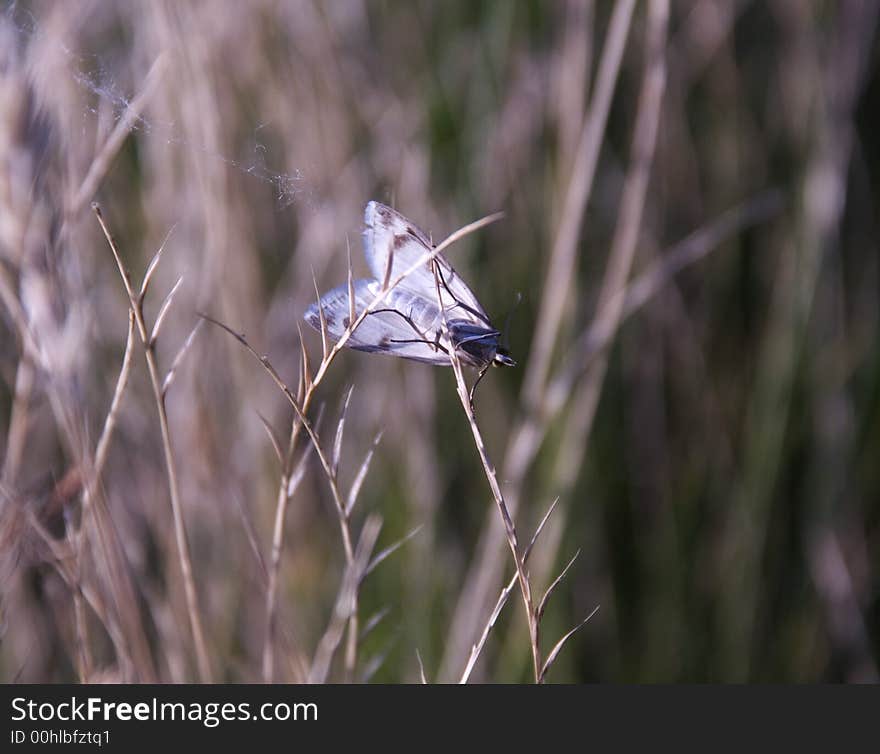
point(387, 232)
point(404, 325)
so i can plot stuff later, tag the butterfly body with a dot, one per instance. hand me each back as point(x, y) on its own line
point(408, 323)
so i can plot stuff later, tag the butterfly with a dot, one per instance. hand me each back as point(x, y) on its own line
point(409, 323)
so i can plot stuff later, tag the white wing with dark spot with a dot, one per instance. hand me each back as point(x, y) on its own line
point(387, 232)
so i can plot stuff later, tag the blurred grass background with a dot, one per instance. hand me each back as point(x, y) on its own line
point(726, 496)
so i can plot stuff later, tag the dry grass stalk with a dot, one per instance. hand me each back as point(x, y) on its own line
point(564, 253)
point(464, 395)
point(148, 340)
point(525, 439)
point(89, 492)
point(346, 601)
point(502, 599)
point(301, 420)
point(632, 201)
point(63, 558)
point(629, 300)
point(740, 404)
point(309, 384)
point(33, 249)
point(528, 435)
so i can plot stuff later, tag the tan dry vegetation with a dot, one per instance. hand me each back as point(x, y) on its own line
point(690, 215)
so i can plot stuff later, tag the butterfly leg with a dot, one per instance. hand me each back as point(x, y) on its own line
point(477, 382)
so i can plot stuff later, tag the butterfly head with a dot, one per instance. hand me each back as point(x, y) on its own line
point(502, 358)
